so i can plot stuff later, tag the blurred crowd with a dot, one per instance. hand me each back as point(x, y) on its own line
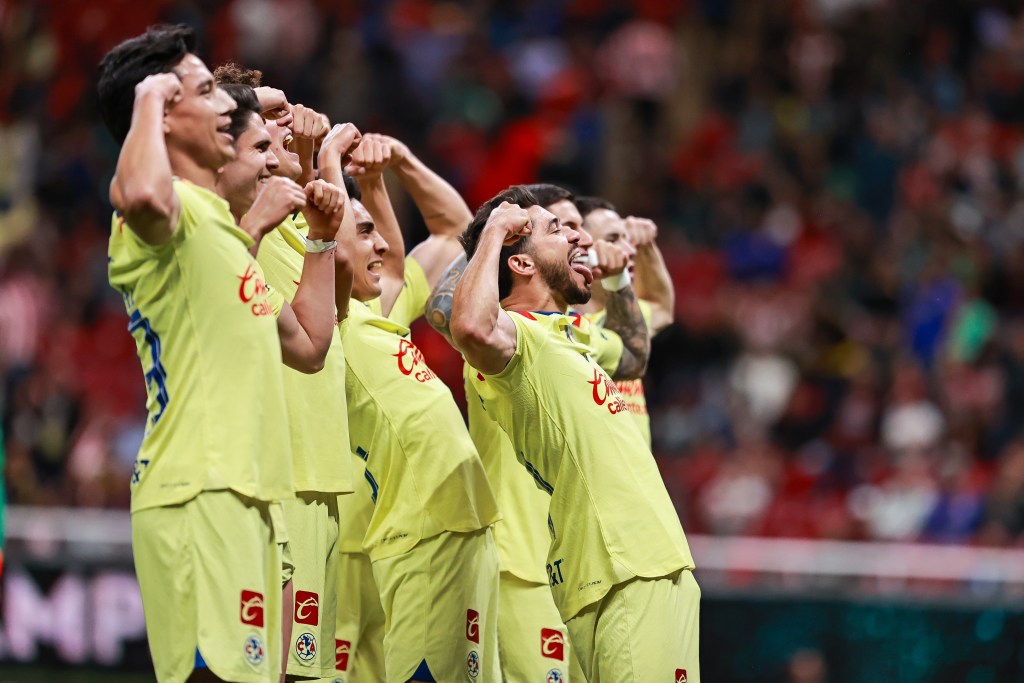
point(839, 186)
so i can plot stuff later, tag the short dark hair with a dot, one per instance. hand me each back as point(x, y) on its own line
point(587, 205)
point(156, 51)
point(352, 187)
point(470, 239)
point(246, 105)
point(547, 194)
point(238, 74)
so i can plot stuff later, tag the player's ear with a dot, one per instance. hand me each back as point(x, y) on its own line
point(521, 264)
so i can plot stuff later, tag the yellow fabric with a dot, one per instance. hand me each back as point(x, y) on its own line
point(204, 324)
point(359, 633)
point(413, 298)
point(644, 630)
point(355, 510)
point(423, 470)
point(317, 413)
point(532, 639)
point(522, 534)
point(193, 596)
point(441, 605)
point(632, 390)
point(312, 521)
point(610, 517)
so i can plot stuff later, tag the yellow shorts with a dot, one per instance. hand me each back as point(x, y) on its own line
point(209, 572)
point(643, 630)
point(532, 639)
point(440, 602)
point(312, 521)
point(359, 645)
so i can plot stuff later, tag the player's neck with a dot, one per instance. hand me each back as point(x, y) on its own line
point(597, 300)
point(533, 296)
point(188, 169)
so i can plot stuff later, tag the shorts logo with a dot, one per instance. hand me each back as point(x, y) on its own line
point(252, 608)
point(473, 664)
point(552, 644)
point(555, 676)
point(307, 608)
point(341, 650)
point(473, 626)
point(253, 650)
point(305, 647)
point(680, 675)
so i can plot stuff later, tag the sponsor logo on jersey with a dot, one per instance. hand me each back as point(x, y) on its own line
point(307, 608)
point(605, 393)
point(411, 361)
point(473, 626)
point(552, 644)
point(555, 676)
point(252, 608)
point(341, 651)
point(253, 650)
point(473, 664)
point(305, 647)
point(253, 289)
point(680, 675)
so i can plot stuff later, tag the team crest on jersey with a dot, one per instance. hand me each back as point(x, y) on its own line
point(555, 676)
point(473, 664)
point(341, 651)
point(305, 647)
point(253, 650)
point(473, 626)
point(680, 675)
point(307, 608)
point(552, 644)
point(252, 608)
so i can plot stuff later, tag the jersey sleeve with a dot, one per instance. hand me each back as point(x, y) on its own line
point(413, 298)
point(281, 265)
point(528, 345)
point(647, 311)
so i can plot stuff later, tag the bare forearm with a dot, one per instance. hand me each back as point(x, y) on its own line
point(439, 306)
point(314, 301)
point(475, 302)
point(378, 203)
point(142, 188)
point(306, 150)
point(653, 283)
point(623, 316)
point(442, 207)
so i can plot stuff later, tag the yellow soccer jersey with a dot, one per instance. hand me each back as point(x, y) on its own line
point(413, 297)
point(205, 327)
point(522, 535)
point(610, 517)
point(424, 473)
point(632, 390)
point(355, 510)
point(317, 414)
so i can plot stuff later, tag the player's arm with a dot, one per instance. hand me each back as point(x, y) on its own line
point(479, 327)
point(439, 305)
point(307, 326)
point(622, 310)
point(142, 188)
point(442, 207)
point(336, 151)
point(308, 127)
point(368, 164)
point(653, 284)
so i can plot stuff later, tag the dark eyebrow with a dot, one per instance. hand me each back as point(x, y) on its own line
point(263, 145)
point(365, 224)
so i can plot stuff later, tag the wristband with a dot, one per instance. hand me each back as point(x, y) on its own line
point(614, 283)
point(319, 246)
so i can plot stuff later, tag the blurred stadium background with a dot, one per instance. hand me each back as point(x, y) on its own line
point(839, 409)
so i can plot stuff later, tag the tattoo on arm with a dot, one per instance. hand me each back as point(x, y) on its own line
point(623, 316)
point(439, 305)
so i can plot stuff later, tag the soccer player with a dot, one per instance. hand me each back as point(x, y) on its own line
point(428, 539)
point(651, 280)
point(531, 635)
point(317, 413)
point(619, 565)
point(213, 458)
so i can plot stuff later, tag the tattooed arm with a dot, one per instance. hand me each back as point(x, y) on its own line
point(623, 316)
point(439, 305)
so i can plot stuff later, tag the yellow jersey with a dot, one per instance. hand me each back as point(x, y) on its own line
point(424, 474)
point(205, 327)
point(522, 535)
point(632, 390)
point(317, 414)
point(355, 511)
point(610, 516)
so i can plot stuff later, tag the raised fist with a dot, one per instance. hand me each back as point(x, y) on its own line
point(513, 220)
